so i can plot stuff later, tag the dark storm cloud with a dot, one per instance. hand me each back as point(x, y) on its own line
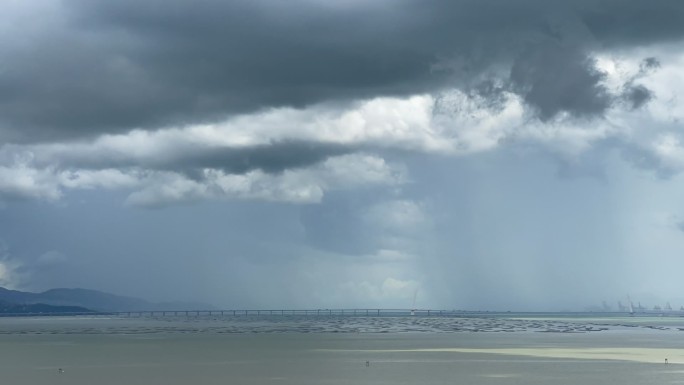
point(616, 22)
point(556, 79)
point(649, 64)
point(637, 95)
point(115, 66)
point(274, 157)
point(149, 64)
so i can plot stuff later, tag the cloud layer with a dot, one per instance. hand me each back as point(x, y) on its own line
point(90, 67)
point(374, 150)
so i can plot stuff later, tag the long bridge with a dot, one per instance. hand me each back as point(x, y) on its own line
point(362, 312)
point(294, 312)
point(359, 312)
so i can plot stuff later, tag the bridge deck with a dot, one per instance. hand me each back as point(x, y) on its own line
point(254, 312)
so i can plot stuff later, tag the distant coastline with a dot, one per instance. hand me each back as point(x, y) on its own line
point(7, 308)
point(77, 300)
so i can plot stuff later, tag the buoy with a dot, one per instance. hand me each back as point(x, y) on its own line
point(367, 363)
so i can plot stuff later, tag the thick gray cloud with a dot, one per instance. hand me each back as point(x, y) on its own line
point(271, 158)
point(130, 65)
point(311, 153)
point(633, 22)
point(637, 95)
point(99, 66)
point(557, 79)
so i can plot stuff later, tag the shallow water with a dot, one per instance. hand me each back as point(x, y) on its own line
point(315, 350)
point(560, 323)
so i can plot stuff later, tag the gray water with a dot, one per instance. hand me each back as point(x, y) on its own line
point(338, 350)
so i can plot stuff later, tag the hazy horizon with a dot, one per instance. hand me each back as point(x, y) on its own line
point(482, 155)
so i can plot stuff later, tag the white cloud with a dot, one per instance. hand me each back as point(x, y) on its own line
point(669, 150)
point(21, 181)
point(655, 128)
point(167, 188)
point(90, 179)
point(452, 122)
point(306, 185)
point(382, 122)
point(470, 124)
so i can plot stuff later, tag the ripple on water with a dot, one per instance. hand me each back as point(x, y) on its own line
point(318, 324)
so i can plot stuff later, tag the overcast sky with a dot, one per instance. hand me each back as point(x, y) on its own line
point(470, 154)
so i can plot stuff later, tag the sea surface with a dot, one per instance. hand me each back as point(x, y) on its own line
point(281, 349)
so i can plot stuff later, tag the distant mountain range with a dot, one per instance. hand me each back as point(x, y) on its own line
point(7, 308)
point(85, 300)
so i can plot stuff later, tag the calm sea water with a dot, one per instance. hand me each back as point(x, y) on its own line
point(550, 349)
